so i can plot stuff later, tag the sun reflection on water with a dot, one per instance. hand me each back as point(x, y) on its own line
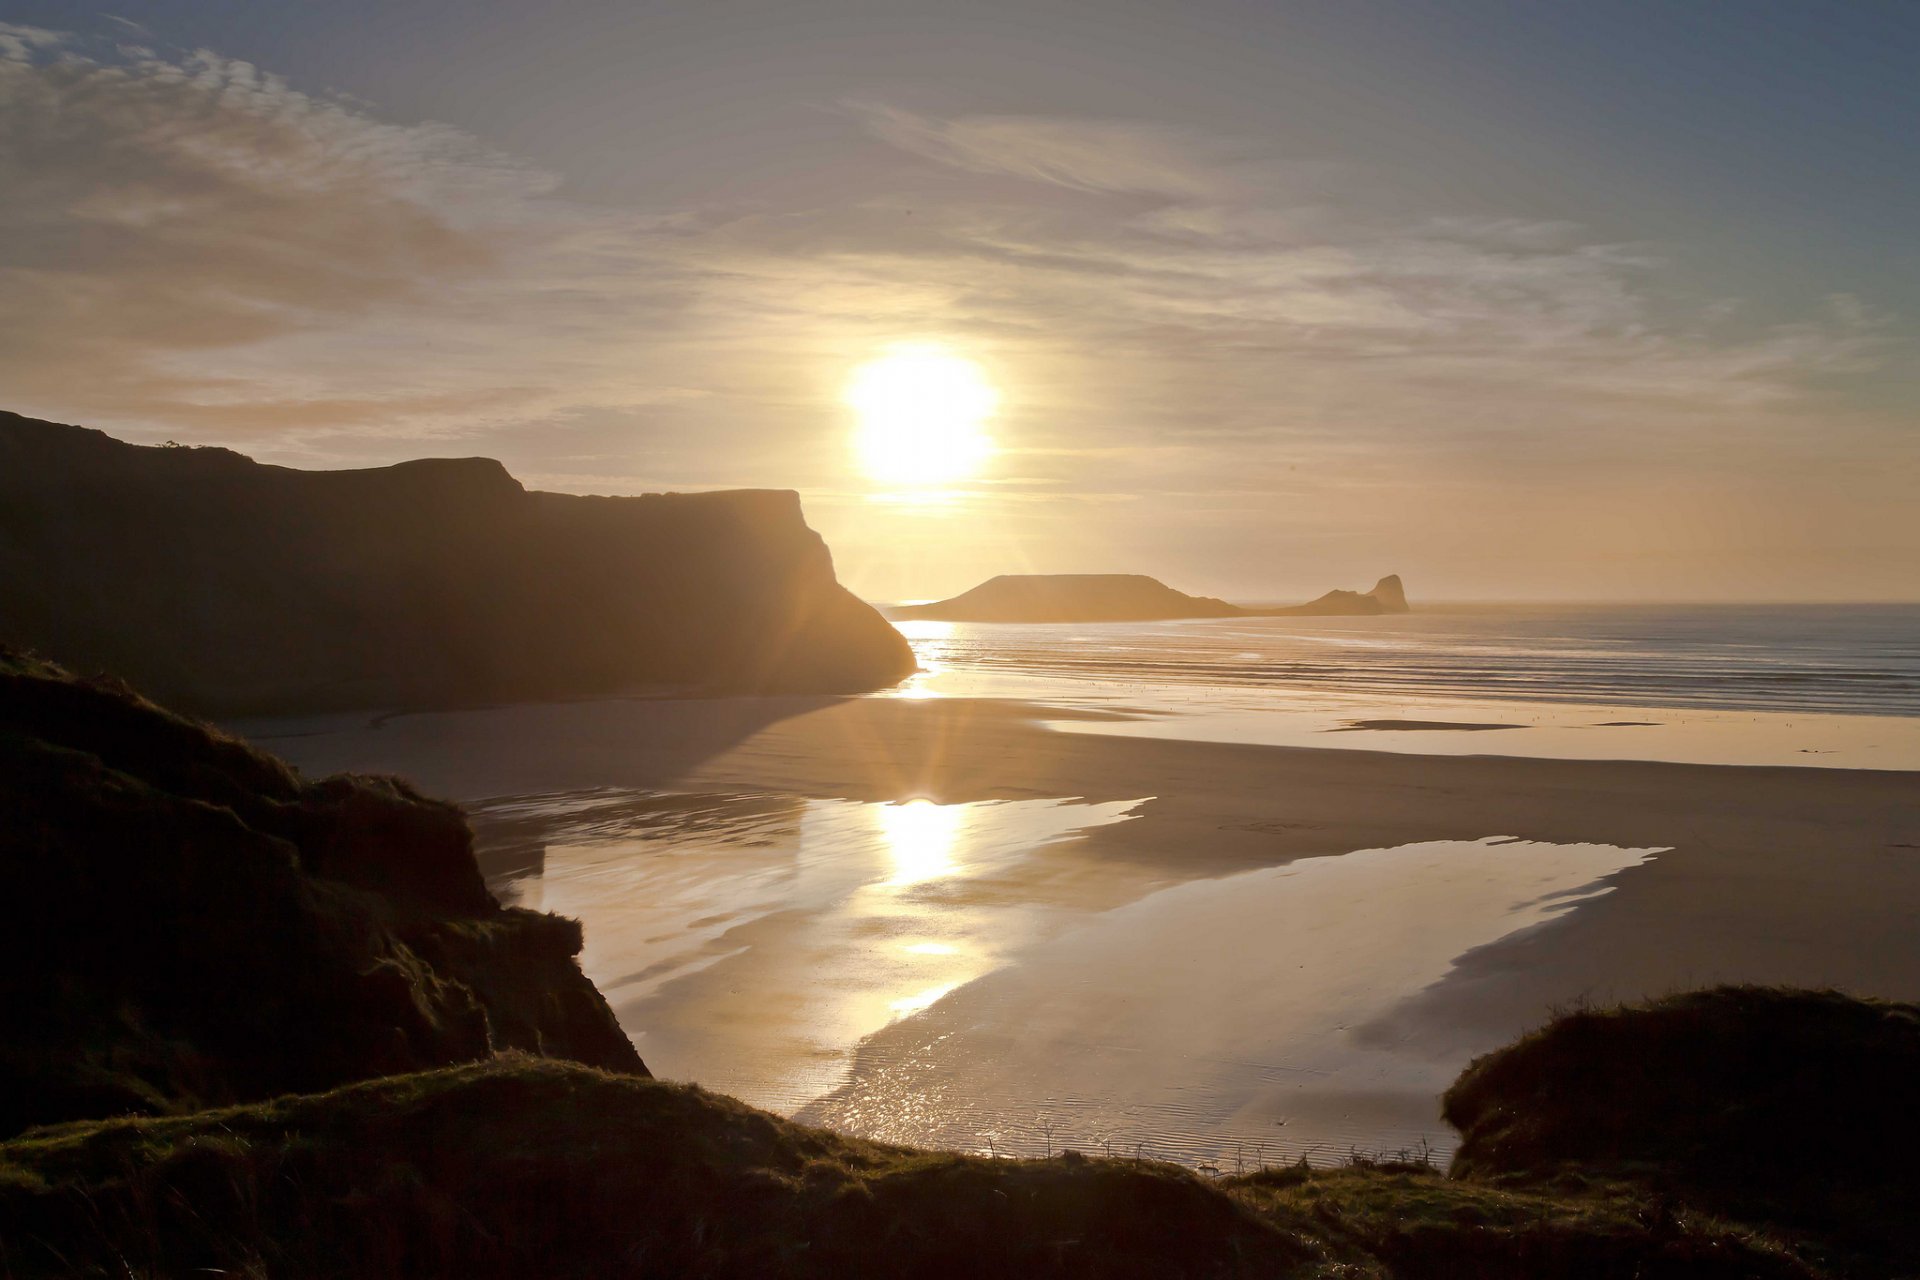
point(921, 839)
point(752, 943)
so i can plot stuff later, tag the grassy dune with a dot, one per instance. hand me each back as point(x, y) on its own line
point(523, 1166)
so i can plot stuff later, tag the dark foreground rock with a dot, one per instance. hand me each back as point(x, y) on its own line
point(225, 587)
point(191, 924)
point(1793, 1108)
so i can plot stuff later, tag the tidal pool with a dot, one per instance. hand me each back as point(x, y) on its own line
point(980, 976)
point(751, 942)
point(1224, 1021)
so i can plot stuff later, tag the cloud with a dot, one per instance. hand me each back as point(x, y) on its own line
point(190, 246)
point(1087, 155)
point(17, 41)
point(161, 209)
point(1222, 310)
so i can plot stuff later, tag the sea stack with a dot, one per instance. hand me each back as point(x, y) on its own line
point(1391, 595)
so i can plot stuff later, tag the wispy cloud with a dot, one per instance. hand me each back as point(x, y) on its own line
point(18, 41)
point(1085, 155)
point(191, 245)
point(164, 209)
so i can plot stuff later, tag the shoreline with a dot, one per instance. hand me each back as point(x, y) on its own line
point(1781, 875)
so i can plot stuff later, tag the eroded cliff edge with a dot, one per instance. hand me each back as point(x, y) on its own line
point(228, 587)
point(195, 924)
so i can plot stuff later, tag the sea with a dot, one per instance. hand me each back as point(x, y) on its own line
point(1833, 685)
point(1849, 659)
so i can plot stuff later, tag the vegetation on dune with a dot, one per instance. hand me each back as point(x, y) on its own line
point(520, 1167)
point(1409, 1222)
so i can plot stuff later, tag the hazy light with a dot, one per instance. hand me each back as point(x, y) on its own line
point(922, 412)
point(928, 639)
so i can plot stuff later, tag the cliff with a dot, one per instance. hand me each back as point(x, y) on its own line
point(228, 587)
point(1127, 597)
point(193, 924)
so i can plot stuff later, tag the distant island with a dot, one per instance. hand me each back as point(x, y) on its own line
point(228, 587)
point(1129, 597)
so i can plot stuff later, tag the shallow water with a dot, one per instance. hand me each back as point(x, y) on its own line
point(750, 942)
point(967, 975)
point(1222, 1019)
point(1809, 659)
point(1806, 686)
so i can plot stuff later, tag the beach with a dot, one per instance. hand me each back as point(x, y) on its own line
point(947, 920)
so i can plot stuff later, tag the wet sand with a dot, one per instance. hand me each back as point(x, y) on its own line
point(1220, 807)
point(1219, 1016)
point(1696, 873)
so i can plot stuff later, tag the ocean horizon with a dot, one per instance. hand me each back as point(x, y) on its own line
point(1853, 660)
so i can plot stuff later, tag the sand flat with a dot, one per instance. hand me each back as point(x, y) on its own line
point(1767, 846)
point(1808, 876)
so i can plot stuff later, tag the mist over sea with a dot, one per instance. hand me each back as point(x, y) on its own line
point(1847, 659)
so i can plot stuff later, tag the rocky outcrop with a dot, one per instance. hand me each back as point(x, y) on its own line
point(1127, 597)
point(1387, 596)
point(1787, 1107)
point(193, 924)
point(1391, 595)
point(227, 587)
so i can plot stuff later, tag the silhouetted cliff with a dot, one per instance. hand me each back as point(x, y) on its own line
point(228, 587)
point(191, 924)
point(1126, 597)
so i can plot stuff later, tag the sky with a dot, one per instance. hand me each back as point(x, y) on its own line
point(1610, 300)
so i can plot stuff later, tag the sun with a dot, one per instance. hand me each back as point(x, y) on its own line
point(922, 414)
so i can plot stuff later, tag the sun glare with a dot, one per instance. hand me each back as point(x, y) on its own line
point(922, 838)
point(922, 414)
